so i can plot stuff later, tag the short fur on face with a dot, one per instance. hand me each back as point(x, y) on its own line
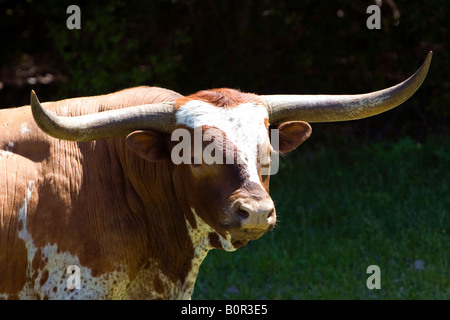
point(237, 125)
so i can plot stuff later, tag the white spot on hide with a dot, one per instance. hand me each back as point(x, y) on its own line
point(200, 235)
point(243, 125)
point(7, 152)
point(25, 128)
point(111, 285)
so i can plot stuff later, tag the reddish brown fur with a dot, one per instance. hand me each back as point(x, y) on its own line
point(85, 188)
point(222, 98)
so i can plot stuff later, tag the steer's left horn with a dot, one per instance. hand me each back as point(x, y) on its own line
point(328, 108)
point(106, 124)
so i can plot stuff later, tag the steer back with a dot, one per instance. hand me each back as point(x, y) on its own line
point(68, 203)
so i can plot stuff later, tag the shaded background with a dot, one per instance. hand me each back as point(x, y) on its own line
point(264, 47)
point(372, 191)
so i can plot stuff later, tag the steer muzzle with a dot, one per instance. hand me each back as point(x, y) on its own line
point(250, 218)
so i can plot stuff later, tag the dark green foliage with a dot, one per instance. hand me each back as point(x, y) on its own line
point(266, 46)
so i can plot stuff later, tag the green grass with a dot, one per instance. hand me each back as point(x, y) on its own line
point(341, 209)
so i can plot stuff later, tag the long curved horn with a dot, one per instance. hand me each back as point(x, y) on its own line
point(106, 124)
point(328, 108)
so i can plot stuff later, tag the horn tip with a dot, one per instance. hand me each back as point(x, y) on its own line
point(428, 58)
point(34, 97)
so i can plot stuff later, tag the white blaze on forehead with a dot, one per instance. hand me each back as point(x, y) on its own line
point(244, 125)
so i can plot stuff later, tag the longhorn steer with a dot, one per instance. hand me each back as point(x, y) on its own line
point(97, 187)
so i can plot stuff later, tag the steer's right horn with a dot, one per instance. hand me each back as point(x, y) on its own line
point(327, 108)
point(106, 124)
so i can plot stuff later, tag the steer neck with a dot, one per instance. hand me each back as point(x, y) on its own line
point(199, 235)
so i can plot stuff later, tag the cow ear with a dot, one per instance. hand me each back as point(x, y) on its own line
point(149, 145)
point(291, 134)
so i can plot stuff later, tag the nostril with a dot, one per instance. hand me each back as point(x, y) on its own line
point(242, 213)
point(271, 213)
